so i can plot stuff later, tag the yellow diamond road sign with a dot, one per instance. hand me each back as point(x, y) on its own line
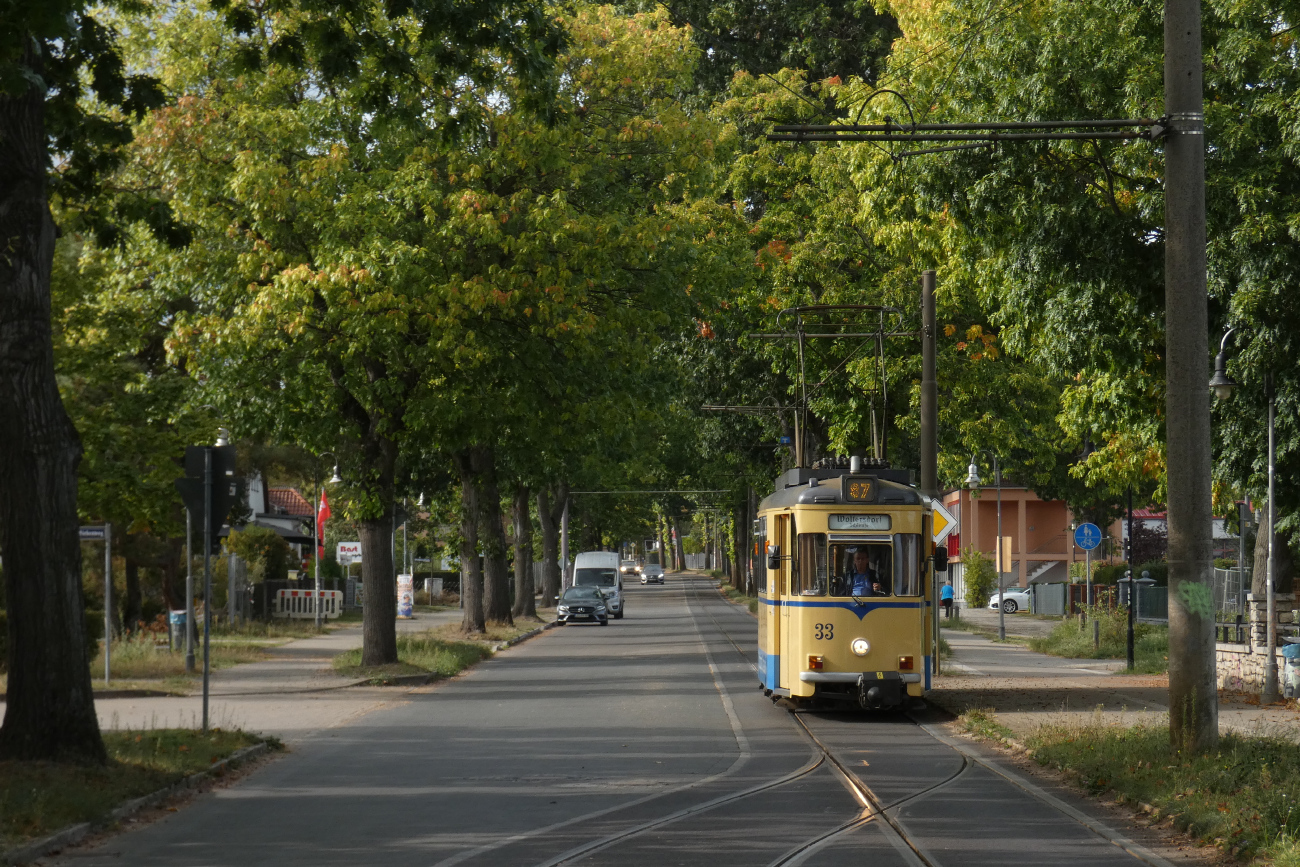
point(943, 521)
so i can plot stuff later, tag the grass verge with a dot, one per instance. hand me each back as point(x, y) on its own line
point(419, 653)
point(1074, 641)
point(138, 658)
point(739, 597)
point(39, 798)
point(1242, 796)
point(983, 723)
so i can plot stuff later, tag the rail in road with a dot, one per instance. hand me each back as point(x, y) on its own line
point(644, 744)
point(952, 765)
point(918, 797)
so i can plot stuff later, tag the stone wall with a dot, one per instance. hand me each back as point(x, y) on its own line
point(1241, 666)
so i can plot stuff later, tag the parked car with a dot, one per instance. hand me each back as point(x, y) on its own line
point(582, 604)
point(1011, 600)
point(652, 573)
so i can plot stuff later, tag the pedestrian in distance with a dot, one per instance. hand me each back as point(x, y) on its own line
point(945, 596)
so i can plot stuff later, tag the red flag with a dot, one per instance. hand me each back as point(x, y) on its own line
point(322, 515)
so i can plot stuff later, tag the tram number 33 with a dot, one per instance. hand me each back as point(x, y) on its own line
point(823, 631)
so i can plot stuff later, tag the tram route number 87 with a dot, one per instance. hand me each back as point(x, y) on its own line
point(823, 631)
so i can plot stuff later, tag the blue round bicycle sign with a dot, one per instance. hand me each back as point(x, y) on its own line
point(1087, 536)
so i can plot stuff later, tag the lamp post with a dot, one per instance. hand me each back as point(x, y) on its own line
point(318, 538)
point(973, 481)
point(1223, 384)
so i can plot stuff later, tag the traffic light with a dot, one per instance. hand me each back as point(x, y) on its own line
point(227, 488)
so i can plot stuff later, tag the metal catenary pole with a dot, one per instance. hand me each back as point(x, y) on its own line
point(315, 546)
point(1132, 582)
point(929, 436)
point(189, 592)
point(1002, 564)
point(108, 600)
point(207, 576)
point(1193, 688)
point(1269, 694)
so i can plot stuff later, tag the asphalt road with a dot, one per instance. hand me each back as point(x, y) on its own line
point(646, 742)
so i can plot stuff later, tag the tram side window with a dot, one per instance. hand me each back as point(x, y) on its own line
point(760, 549)
point(907, 564)
point(811, 577)
point(845, 562)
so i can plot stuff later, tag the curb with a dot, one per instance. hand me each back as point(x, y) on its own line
point(527, 635)
point(426, 679)
point(74, 834)
point(725, 598)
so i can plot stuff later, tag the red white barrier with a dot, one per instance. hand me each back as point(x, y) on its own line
point(297, 604)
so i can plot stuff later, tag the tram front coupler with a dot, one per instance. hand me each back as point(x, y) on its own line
point(878, 690)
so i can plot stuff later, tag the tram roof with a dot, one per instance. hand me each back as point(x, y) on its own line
point(821, 487)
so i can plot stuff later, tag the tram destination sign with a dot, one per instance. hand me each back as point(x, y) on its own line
point(858, 522)
point(859, 489)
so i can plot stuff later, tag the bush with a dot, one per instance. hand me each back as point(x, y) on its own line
point(1108, 574)
point(1073, 640)
point(1159, 570)
point(979, 576)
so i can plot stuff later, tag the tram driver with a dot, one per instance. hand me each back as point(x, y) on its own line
point(863, 580)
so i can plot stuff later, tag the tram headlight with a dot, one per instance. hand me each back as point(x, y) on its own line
point(860, 646)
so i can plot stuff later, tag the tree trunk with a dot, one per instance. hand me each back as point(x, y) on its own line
point(471, 573)
point(50, 709)
point(679, 553)
point(663, 547)
point(132, 610)
point(525, 604)
point(496, 572)
point(1285, 569)
point(739, 522)
point(548, 515)
point(379, 617)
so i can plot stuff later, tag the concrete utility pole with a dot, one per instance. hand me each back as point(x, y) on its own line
point(929, 391)
point(1193, 693)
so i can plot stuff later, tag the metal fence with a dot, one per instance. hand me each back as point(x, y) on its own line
point(1230, 587)
point(698, 561)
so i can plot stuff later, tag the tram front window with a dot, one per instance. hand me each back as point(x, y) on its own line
point(862, 569)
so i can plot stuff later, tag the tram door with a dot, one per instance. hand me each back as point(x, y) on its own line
point(781, 624)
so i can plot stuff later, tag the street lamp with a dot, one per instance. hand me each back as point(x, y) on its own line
point(973, 481)
point(1223, 384)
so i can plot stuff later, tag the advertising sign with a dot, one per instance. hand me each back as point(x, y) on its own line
point(405, 595)
point(349, 552)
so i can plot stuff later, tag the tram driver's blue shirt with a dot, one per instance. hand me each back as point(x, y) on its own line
point(860, 584)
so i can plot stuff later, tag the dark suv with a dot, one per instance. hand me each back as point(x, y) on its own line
point(582, 604)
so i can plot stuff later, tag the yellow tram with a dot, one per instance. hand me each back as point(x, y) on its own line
point(846, 603)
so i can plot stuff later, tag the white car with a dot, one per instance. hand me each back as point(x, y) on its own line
point(652, 573)
point(1011, 600)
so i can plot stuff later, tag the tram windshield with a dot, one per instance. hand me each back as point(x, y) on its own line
point(857, 569)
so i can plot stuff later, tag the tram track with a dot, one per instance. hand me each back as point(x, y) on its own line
point(591, 847)
point(913, 852)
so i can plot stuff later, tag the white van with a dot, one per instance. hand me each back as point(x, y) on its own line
point(600, 569)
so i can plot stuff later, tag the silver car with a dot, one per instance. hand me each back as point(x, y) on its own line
point(652, 573)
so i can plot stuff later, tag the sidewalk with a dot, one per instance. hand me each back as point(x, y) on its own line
point(291, 695)
point(1018, 625)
